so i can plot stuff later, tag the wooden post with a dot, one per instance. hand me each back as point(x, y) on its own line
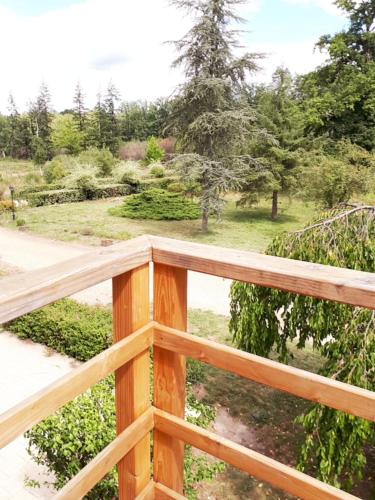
point(170, 309)
point(131, 310)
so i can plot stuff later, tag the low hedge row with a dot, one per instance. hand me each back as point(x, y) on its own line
point(55, 197)
point(39, 188)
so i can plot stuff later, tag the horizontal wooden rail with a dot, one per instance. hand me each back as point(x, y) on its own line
point(147, 493)
point(161, 492)
point(255, 464)
point(325, 282)
point(26, 292)
point(90, 475)
point(31, 411)
point(344, 397)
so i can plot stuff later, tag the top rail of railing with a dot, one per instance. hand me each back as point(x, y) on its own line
point(26, 292)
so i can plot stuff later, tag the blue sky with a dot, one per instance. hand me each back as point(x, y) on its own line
point(95, 41)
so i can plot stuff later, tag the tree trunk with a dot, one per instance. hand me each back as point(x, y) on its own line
point(275, 196)
point(205, 214)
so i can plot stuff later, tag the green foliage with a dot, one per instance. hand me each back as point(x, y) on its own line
point(337, 175)
point(5, 205)
point(20, 222)
point(87, 186)
point(157, 171)
point(67, 327)
point(263, 320)
point(153, 152)
point(54, 170)
point(102, 159)
point(40, 151)
point(157, 204)
point(65, 134)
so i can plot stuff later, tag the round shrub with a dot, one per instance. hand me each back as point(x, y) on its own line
point(176, 187)
point(154, 153)
point(102, 159)
point(157, 171)
point(54, 170)
point(157, 204)
point(87, 186)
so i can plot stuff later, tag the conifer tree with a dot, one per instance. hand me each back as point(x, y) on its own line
point(79, 108)
point(40, 121)
point(111, 130)
point(209, 117)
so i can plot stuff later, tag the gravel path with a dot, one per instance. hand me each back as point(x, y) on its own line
point(26, 367)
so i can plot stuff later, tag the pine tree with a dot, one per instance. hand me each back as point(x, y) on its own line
point(79, 108)
point(40, 121)
point(209, 117)
point(111, 129)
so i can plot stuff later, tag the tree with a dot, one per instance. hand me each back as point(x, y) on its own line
point(265, 320)
point(209, 116)
point(339, 96)
point(278, 113)
point(40, 121)
point(66, 134)
point(110, 131)
point(79, 108)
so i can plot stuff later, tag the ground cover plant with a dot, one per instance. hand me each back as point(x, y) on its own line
point(157, 204)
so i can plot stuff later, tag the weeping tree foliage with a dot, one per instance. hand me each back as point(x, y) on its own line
point(209, 118)
point(265, 320)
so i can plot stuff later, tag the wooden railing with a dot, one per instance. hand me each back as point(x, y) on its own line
point(134, 334)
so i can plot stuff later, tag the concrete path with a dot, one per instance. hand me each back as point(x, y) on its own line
point(28, 252)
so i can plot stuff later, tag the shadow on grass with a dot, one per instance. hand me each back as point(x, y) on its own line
point(258, 214)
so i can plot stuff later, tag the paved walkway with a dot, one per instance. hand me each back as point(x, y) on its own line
point(26, 367)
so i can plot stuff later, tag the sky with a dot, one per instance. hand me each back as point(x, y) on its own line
point(94, 42)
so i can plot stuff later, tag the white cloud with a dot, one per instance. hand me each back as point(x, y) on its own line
point(96, 41)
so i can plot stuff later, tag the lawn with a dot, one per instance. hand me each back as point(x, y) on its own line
point(89, 222)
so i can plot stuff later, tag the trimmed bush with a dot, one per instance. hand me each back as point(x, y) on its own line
point(157, 204)
point(86, 186)
point(70, 328)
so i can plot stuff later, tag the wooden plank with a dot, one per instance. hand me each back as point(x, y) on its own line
point(170, 308)
point(255, 464)
point(324, 282)
point(37, 407)
point(344, 397)
point(148, 493)
point(164, 493)
point(26, 292)
point(131, 310)
point(90, 475)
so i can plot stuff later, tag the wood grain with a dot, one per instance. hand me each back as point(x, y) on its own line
point(131, 310)
point(324, 282)
point(255, 464)
point(32, 410)
point(26, 292)
point(344, 397)
point(147, 493)
point(90, 475)
point(164, 493)
point(170, 308)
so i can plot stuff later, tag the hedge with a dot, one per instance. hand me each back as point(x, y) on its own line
point(70, 328)
point(55, 197)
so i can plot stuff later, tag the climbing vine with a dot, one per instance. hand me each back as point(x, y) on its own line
point(265, 321)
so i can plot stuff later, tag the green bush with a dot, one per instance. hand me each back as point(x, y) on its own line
point(54, 197)
point(54, 170)
point(20, 222)
point(176, 187)
point(5, 205)
point(157, 171)
point(38, 189)
point(33, 179)
point(157, 204)
point(102, 159)
point(153, 153)
point(87, 186)
point(70, 328)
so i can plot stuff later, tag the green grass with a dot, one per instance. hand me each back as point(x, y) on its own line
point(89, 222)
point(14, 172)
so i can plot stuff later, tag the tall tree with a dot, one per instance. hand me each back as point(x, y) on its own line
point(339, 96)
point(111, 130)
point(278, 112)
point(79, 108)
point(208, 115)
point(40, 121)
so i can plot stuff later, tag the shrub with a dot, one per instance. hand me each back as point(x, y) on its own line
point(20, 222)
point(54, 170)
point(157, 204)
point(154, 153)
point(133, 151)
point(68, 327)
point(87, 186)
point(157, 171)
point(5, 205)
point(33, 179)
point(54, 197)
point(102, 159)
point(176, 187)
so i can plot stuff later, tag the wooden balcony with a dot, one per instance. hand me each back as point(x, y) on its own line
point(128, 265)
